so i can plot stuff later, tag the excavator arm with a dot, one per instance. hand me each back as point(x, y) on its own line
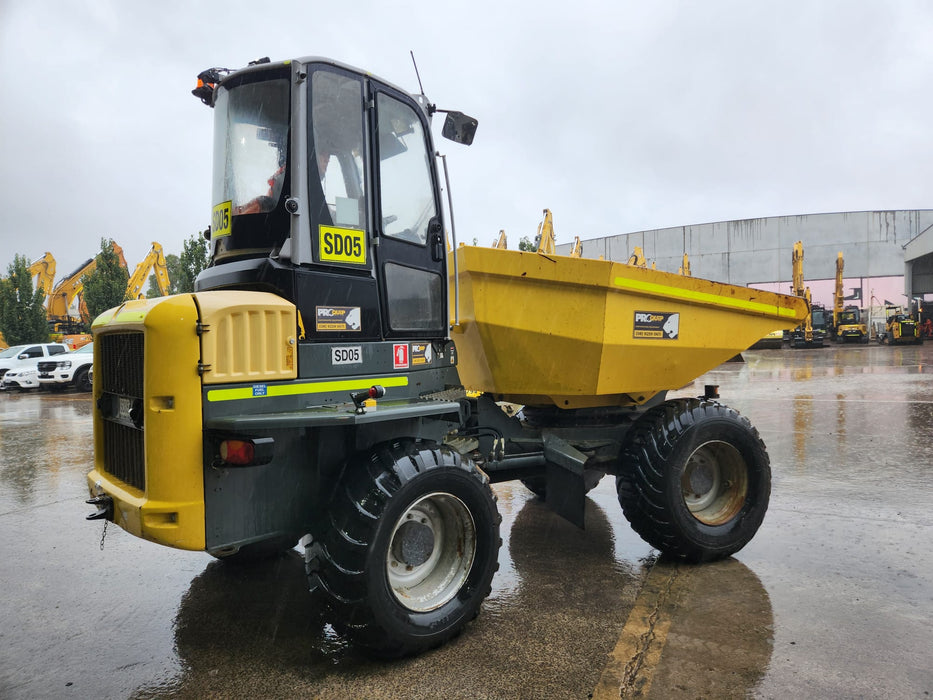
point(838, 293)
point(44, 270)
point(153, 262)
point(800, 290)
point(64, 293)
point(544, 241)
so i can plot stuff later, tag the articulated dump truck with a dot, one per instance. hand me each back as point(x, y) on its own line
point(339, 381)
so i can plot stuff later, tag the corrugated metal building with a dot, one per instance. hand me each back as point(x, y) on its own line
point(886, 253)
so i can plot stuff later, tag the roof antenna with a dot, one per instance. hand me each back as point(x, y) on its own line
point(417, 75)
point(431, 108)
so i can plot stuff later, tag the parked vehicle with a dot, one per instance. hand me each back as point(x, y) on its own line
point(70, 369)
point(28, 355)
point(22, 378)
point(318, 386)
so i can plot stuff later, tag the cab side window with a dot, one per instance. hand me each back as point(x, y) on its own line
point(338, 157)
point(407, 197)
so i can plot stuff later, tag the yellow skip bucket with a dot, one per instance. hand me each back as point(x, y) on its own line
point(572, 332)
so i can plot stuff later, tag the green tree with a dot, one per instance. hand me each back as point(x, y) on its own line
point(194, 258)
point(105, 287)
point(526, 244)
point(22, 310)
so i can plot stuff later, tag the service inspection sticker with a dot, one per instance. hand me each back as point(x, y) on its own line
point(337, 318)
point(656, 324)
point(342, 245)
point(220, 220)
point(347, 355)
point(421, 354)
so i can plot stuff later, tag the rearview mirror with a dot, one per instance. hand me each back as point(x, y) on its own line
point(460, 128)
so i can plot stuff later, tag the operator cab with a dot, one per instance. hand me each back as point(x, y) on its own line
point(325, 191)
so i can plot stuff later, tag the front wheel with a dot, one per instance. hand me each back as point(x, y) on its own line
point(695, 479)
point(410, 550)
point(83, 380)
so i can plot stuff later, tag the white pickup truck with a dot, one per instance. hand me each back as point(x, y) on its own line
point(71, 369)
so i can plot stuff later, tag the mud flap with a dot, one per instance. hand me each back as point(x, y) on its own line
point(566, 492)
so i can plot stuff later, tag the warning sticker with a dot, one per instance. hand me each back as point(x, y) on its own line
point(421, 354)
point(400, 356)
point(656, 324)
point(337, 318)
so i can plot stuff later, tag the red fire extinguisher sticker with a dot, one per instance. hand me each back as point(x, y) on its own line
point(400, 355)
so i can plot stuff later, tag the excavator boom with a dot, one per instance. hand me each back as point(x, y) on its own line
point(44, 270)
point(544, 241)
point(153, 262)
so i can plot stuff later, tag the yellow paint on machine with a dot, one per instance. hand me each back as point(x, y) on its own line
point(574, 332)
point(247, 337)
point(171, 510)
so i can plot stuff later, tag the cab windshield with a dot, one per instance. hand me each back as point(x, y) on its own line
point(250, 145)
point(250, 165)
point(849, 317)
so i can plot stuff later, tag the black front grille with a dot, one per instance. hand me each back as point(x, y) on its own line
point(121, 377)
point(121, 364)
point(47, 366)
point(124, 455)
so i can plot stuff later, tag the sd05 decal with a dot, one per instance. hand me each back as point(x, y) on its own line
point(656, 324)
point(343, 245)
point(220, 220)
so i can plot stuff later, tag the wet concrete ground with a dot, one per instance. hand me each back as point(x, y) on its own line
point(833, 598)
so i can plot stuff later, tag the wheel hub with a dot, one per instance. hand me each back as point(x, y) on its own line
point(431, 552)
point(413, 543)
point(714, 483)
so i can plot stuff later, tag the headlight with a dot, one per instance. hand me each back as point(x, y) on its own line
point(66, 364)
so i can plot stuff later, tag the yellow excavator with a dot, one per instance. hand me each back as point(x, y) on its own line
point(684, 268)
point(805, 335)
point(64, 293)
point(544, 239)
point(43, 270)
point(576, 250)
point(153, 262)
point(847, 320)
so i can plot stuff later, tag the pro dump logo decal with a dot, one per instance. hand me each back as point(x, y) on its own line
point(337, 318)
point(656, 324)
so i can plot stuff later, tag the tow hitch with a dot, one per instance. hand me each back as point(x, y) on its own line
point(104, 505)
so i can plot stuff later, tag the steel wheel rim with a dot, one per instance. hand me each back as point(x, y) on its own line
point(714, 483)
point(431, 552)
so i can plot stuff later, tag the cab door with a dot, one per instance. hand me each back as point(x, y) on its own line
point(410, 251)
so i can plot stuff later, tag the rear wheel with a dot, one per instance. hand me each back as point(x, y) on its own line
point(410, 550)
point(695, 479)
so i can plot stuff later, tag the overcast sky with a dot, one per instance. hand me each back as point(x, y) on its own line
point(619, 116)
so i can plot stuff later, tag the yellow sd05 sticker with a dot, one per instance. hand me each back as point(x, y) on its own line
point(343, 245)
point(220, 220)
